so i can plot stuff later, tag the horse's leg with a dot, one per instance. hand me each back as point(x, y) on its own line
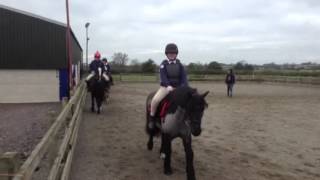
point(166, 146)
point(92, 102)
point(99, 102)
point(162, 154)
point(150, 132)
point(105, 94)
point(108, 91)
point(150, 142)
point(189, 158)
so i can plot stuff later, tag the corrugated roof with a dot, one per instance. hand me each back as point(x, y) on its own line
point(33, 15)
point(41, 18)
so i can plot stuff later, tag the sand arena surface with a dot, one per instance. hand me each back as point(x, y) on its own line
point(265, 132)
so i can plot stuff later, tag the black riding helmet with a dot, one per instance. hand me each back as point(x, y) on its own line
point(104, 59)
point(171, 48)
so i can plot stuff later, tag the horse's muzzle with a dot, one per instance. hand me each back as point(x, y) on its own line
point(196, 132)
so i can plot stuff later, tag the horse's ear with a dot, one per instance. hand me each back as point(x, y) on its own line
point(205, 94)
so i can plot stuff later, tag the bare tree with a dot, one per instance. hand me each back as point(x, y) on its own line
point(120, 59)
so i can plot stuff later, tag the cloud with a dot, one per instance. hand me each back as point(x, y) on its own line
point(258, 31)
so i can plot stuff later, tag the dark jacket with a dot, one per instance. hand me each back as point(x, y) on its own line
point(230, 78)
point(172, 74)
point(107, 68)
point(95, 64)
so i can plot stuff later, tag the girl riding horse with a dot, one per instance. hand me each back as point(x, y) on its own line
point(172, 75)
point(180, 117)
point(97, 82)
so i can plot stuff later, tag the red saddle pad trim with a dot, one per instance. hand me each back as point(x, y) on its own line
point(164, 108)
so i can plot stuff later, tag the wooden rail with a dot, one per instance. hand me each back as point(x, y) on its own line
point(73, 109)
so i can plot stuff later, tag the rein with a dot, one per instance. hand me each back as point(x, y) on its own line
point(187, 115)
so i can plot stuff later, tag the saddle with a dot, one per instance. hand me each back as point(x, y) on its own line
point(162, 109)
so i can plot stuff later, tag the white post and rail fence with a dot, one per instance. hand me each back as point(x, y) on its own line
point(142, 77)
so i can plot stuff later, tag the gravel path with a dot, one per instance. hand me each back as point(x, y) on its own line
point(23, 125)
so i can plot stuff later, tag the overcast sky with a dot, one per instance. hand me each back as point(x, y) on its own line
point(227, 31)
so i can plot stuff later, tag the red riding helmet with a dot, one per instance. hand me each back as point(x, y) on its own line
point(97, 55)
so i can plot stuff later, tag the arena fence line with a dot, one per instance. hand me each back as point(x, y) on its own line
point(69, 119)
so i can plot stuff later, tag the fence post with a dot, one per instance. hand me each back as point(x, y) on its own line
point(9, 165)
point(64, 101)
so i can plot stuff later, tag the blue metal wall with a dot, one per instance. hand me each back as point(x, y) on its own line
point(64, 83)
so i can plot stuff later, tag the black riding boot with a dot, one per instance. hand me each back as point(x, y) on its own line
point(152, 122)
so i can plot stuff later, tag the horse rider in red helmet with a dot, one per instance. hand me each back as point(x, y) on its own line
point(94, 65)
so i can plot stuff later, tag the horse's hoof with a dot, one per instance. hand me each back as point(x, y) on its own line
point(150, 146)
point(168, 172)
point(92, 110)
point(162, 155)
point(191, 177)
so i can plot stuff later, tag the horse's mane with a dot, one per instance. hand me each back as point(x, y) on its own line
point(180, 97)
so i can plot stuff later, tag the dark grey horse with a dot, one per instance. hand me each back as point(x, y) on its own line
point(98, 88)
point(182, 119)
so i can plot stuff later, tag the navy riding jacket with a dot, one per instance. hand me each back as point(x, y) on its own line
point(95, 64)
point(107, 68)
point(172, 73)
point(230, 78)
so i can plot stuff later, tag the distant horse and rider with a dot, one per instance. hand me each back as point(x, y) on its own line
point(98, 83)
point(175, 110)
